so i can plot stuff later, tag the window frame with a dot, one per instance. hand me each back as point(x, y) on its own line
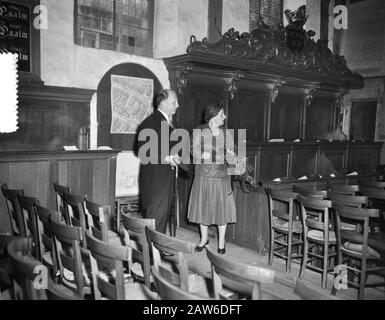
point(150, 51)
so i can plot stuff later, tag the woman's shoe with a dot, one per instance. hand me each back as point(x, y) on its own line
point(200, 248)
point(222, 251)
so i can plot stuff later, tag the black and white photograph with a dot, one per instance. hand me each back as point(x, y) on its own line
point(217, 151)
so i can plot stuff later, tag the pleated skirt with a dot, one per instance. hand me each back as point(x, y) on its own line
point(212, 201)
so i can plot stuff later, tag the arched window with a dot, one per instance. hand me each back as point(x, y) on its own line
point(270, 10)
point(120, 25)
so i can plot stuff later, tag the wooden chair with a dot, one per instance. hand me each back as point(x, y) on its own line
point(349, 200)
point(136, 228)
point(76, 212)
point(68, 241)
point(306, 292)
point(240, 278)
point(317, 234)
point(168, 253)
point(345, 189)
point(376, 198)
point(29, 274)
point(169, 291)
point(16, 218)
point(28, 210)
point(97, 217)
point(108, 264)
point(372, 184)
point(285, 230)
point(5, 262)
point(47, 249)
point(60, 191)
point(353, 247)
point(57, 291)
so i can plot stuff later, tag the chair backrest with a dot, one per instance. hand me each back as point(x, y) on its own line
point(5, 273)
point(44, 217)
point(75, 207)
point(239, 277)
point(349, 200)
point(136, 228)
point(310, 192)
point(359, 215)
point(373, 193)
point(315, 214)
point(68, 241)
point(169, 291)
point(97, 216)
point(281, 205)
point(28, 209)
point(105, 254)
point(372, 184)
point(159, 244)
point(345, 189)
point(28, 273)
point(60, 191)
point(16, 218)
point(306, 292)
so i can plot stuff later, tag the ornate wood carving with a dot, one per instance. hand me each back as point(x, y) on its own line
point(181, 76)
point(274, 89)
point(309, 94)
point(231, 85)
point(270, 45)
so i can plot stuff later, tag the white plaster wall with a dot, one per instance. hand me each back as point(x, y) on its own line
point(192, 20)
point(165, 28)
point(313, 9)
point(175, 22)
point(65, 64)
point(236, 14)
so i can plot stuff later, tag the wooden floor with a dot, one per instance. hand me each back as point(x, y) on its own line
point(200, 264)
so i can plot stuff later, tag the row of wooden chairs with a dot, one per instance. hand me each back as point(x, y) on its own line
point(339, 225)
point(75, 243)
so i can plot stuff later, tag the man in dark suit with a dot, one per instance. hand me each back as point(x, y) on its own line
point(156, 179)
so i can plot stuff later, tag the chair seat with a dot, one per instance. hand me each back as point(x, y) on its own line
point(348, 226)
point(70, 277)
point(356, 248)
point(284, 225)
point(137, 291)
point(319, 235)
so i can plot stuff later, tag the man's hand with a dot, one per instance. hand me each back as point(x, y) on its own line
point(173, 160)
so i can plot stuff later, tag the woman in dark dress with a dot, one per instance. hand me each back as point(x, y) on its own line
point(211, 199)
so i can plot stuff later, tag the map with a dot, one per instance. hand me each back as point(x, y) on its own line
point(131, 102)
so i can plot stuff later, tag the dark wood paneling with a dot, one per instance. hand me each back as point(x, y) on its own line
point(286, 117)
point(91, 173)
point(303, 160)
point(252, 227)
point(248, 111)
point(363, 120)
point(274, 162)
point(320, 117)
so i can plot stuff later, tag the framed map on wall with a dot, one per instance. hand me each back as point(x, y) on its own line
point(131, 102)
